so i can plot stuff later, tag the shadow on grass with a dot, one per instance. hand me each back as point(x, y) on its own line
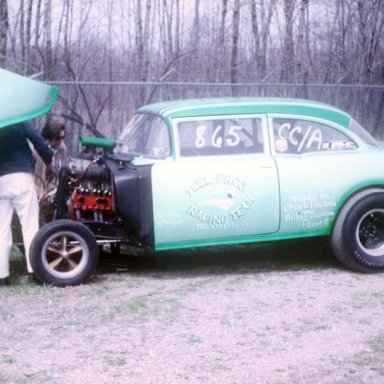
point(283, 256)
point(308, 254)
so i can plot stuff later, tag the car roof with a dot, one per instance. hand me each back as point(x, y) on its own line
point(246, 105)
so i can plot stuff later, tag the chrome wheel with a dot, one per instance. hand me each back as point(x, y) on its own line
point(65, 254)
point(370, 232)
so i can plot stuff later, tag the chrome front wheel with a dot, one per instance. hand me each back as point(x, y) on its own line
point(64, 252)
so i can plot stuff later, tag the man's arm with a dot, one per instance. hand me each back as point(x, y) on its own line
point(38, 142)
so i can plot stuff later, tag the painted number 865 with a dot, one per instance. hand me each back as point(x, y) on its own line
point(217, 139)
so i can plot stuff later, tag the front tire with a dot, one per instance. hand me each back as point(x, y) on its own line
point(358, 235)
point(64, 253)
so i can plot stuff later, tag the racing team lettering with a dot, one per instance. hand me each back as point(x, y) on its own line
point(219, 212)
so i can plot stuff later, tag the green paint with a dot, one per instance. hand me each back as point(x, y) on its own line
point(97, 142)
point(257, 196)
point(23, 99)
point(239, 240)
point(229, 106)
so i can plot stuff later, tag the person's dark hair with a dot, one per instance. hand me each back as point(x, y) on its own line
point(52, 129)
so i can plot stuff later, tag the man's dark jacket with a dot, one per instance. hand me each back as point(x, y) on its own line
point(15, 153)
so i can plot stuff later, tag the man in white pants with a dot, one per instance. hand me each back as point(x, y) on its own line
point(17, 188)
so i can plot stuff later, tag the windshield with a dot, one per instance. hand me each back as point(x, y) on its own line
point(364, 135)
point(145, 135)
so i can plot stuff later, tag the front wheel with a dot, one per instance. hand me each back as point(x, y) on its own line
point(64, 253)
point(358, 235)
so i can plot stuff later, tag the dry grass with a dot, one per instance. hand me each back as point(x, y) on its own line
point(284, 313)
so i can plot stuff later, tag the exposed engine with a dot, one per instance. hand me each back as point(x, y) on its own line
point(90, 191)
point(108, 195)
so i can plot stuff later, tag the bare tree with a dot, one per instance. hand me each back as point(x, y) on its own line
point(320, 41)
point(22, 30)
point(28, 37)
point(370, 25)
point(196, 25)
point(224, 11)
point(235, 44)
point(38, 18)
point(261, 17)
point(220, 47)
point(288, 51)
point(341, 42)
point(371, 28)
point(48, 53)
point(177, 29)
point(141, 34)
point(68, 29)
point(3, 31)
point(302, 64)
point(142, 38)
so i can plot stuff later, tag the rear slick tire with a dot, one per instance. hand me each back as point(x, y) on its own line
point(64, 253)
point(358, 235)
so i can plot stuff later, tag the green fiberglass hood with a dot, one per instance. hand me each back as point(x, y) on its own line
point(23, 99)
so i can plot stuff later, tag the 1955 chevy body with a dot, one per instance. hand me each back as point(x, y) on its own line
point(209, 172)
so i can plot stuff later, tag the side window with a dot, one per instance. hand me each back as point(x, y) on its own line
point(215, 137)
point(145, 135)
point(303, 136)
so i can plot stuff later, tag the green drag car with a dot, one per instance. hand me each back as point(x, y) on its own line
point(208, 172)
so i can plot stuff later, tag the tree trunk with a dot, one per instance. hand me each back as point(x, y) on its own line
point(177, 29)
point(139, 39)
point(3, 32)
point(22, 30)
point(302, 64)
point(224, 11)
point(370, 26)
point(142, 43)
point(68, 29)
point(28, 38)
point(196, 25)
point(146, 37)
point(261, 25)
point(235, 45)
point(48, 40)
point(288, 59)
point(220, 46)
point(37, 23)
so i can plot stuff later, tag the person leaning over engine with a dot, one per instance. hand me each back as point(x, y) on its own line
point(17, 188)
point(54, 133)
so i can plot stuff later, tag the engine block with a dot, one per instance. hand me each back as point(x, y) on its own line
point(92, 194)
point(92, 204)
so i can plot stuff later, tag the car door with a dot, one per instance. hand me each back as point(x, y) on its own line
point(316, 161)
point(222, 186)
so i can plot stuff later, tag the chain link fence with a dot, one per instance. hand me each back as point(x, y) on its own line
point(103, 108)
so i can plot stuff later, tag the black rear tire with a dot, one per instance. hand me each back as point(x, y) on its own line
point(358, 234)
point(64, 253)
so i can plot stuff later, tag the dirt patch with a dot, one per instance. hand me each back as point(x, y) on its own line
point(284, 313)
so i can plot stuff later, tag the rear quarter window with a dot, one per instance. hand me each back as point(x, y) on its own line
point(296, 136)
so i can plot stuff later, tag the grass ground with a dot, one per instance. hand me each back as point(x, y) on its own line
point(277, 314)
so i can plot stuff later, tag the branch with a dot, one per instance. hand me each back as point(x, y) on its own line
point(76, 118)
point(167, 71)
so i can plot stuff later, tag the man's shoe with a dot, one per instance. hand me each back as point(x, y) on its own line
point(5, 282)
